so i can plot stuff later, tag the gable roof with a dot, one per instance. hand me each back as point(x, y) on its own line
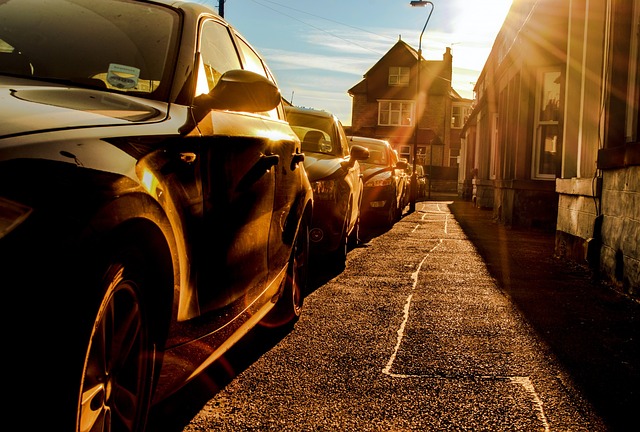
point(400, 47)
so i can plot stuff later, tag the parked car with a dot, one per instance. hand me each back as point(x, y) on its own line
point(421, 178)
point(406, 181)
point(384, 182)
point(335, 177)
point(154, 205)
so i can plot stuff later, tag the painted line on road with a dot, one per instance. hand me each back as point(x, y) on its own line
point(407, 306)
point(523, 381)
point(537, 402)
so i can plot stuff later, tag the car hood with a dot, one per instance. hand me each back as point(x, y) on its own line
point(43, 107)
point(320, 166)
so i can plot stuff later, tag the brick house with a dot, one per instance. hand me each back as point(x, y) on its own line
point(553, 140)
point(384, 106)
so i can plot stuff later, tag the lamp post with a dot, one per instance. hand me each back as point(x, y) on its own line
point(414, 174)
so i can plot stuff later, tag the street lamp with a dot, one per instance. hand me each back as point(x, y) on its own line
point(414, 174)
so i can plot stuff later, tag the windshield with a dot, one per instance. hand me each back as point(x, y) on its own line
point(118, 45)
point(314, 132)
point(377, 155)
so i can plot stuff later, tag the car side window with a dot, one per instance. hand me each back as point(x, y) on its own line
point(394, 158)
point(253, 62)
point(343, 140)
point(218, 55)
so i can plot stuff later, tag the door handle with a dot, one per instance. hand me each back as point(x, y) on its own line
point(296, 158)
point(268, 161)
point(261, 167)
point(188, 157)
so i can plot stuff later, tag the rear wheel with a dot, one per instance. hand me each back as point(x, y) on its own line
point(339, 256)
point(117, 375)
point(394, 212)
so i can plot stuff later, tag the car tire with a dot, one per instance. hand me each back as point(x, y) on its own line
point(397, 210)
point(288, 307)
point(116, 380)
point(391, 215)
point(354, 237)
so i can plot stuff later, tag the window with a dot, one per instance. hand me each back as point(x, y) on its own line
point(454, 157)
point(395, 113)
point(253, 62)
point(458, 116)
point(493, 162)
point(398, 76)
point(218, 55)
point(547, 119)
point(405, 151)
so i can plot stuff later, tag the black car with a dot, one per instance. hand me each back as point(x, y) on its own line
point(385, 182)
point(154, 205)
point(335, 177)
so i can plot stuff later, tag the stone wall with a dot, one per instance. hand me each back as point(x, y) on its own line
point(620, 250)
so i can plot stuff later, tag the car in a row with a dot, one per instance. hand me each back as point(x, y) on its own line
point(334, 167)
point(154, 204)
point(158, 200)
point(386, 184)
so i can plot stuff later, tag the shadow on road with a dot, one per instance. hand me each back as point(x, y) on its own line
point(592, 328)
point(175, 413)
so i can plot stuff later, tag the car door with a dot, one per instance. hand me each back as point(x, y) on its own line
point(238, 171)
point(352, 177)
point(285, 145)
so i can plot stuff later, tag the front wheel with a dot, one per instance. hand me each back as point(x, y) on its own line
point(117, 375)
point(288, 308)
point(354, 238)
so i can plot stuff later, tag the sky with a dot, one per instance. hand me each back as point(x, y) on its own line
point(319, 49)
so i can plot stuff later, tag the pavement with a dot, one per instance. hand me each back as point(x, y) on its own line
point(435, 324)
point(593, 329)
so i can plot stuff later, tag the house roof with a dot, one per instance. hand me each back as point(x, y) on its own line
point(393, 51)
point(399, 50)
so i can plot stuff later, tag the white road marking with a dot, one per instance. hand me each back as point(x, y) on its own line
point(407, 306)
point(523, 381)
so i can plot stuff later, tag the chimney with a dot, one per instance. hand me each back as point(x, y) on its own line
point(447, 55)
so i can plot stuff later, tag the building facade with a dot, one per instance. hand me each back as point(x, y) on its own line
point(385, 106)
point(552, 141)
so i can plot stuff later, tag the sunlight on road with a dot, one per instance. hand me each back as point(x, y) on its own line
point(429, 209)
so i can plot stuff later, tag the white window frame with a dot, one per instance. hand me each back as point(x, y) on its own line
point(399, 76)
point(540, 124)
point(405, 149)
point(395, 111)
point(493, 162)
point(463, 111)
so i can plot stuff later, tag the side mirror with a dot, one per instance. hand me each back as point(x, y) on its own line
point(402, 165)
point(241, 90)
point(359, 152)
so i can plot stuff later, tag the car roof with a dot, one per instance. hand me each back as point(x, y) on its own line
point(360, 139)
point(309, 111)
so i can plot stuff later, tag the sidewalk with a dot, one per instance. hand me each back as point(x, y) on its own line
point(593, 330)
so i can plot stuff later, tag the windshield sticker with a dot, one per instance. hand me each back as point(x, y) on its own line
point(123, 77)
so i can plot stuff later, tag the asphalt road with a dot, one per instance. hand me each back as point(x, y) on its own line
point(440, 323)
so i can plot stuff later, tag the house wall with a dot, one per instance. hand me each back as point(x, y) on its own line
point(620, 249)
point(599, 206)
point(434, 133)
point(592, 201)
